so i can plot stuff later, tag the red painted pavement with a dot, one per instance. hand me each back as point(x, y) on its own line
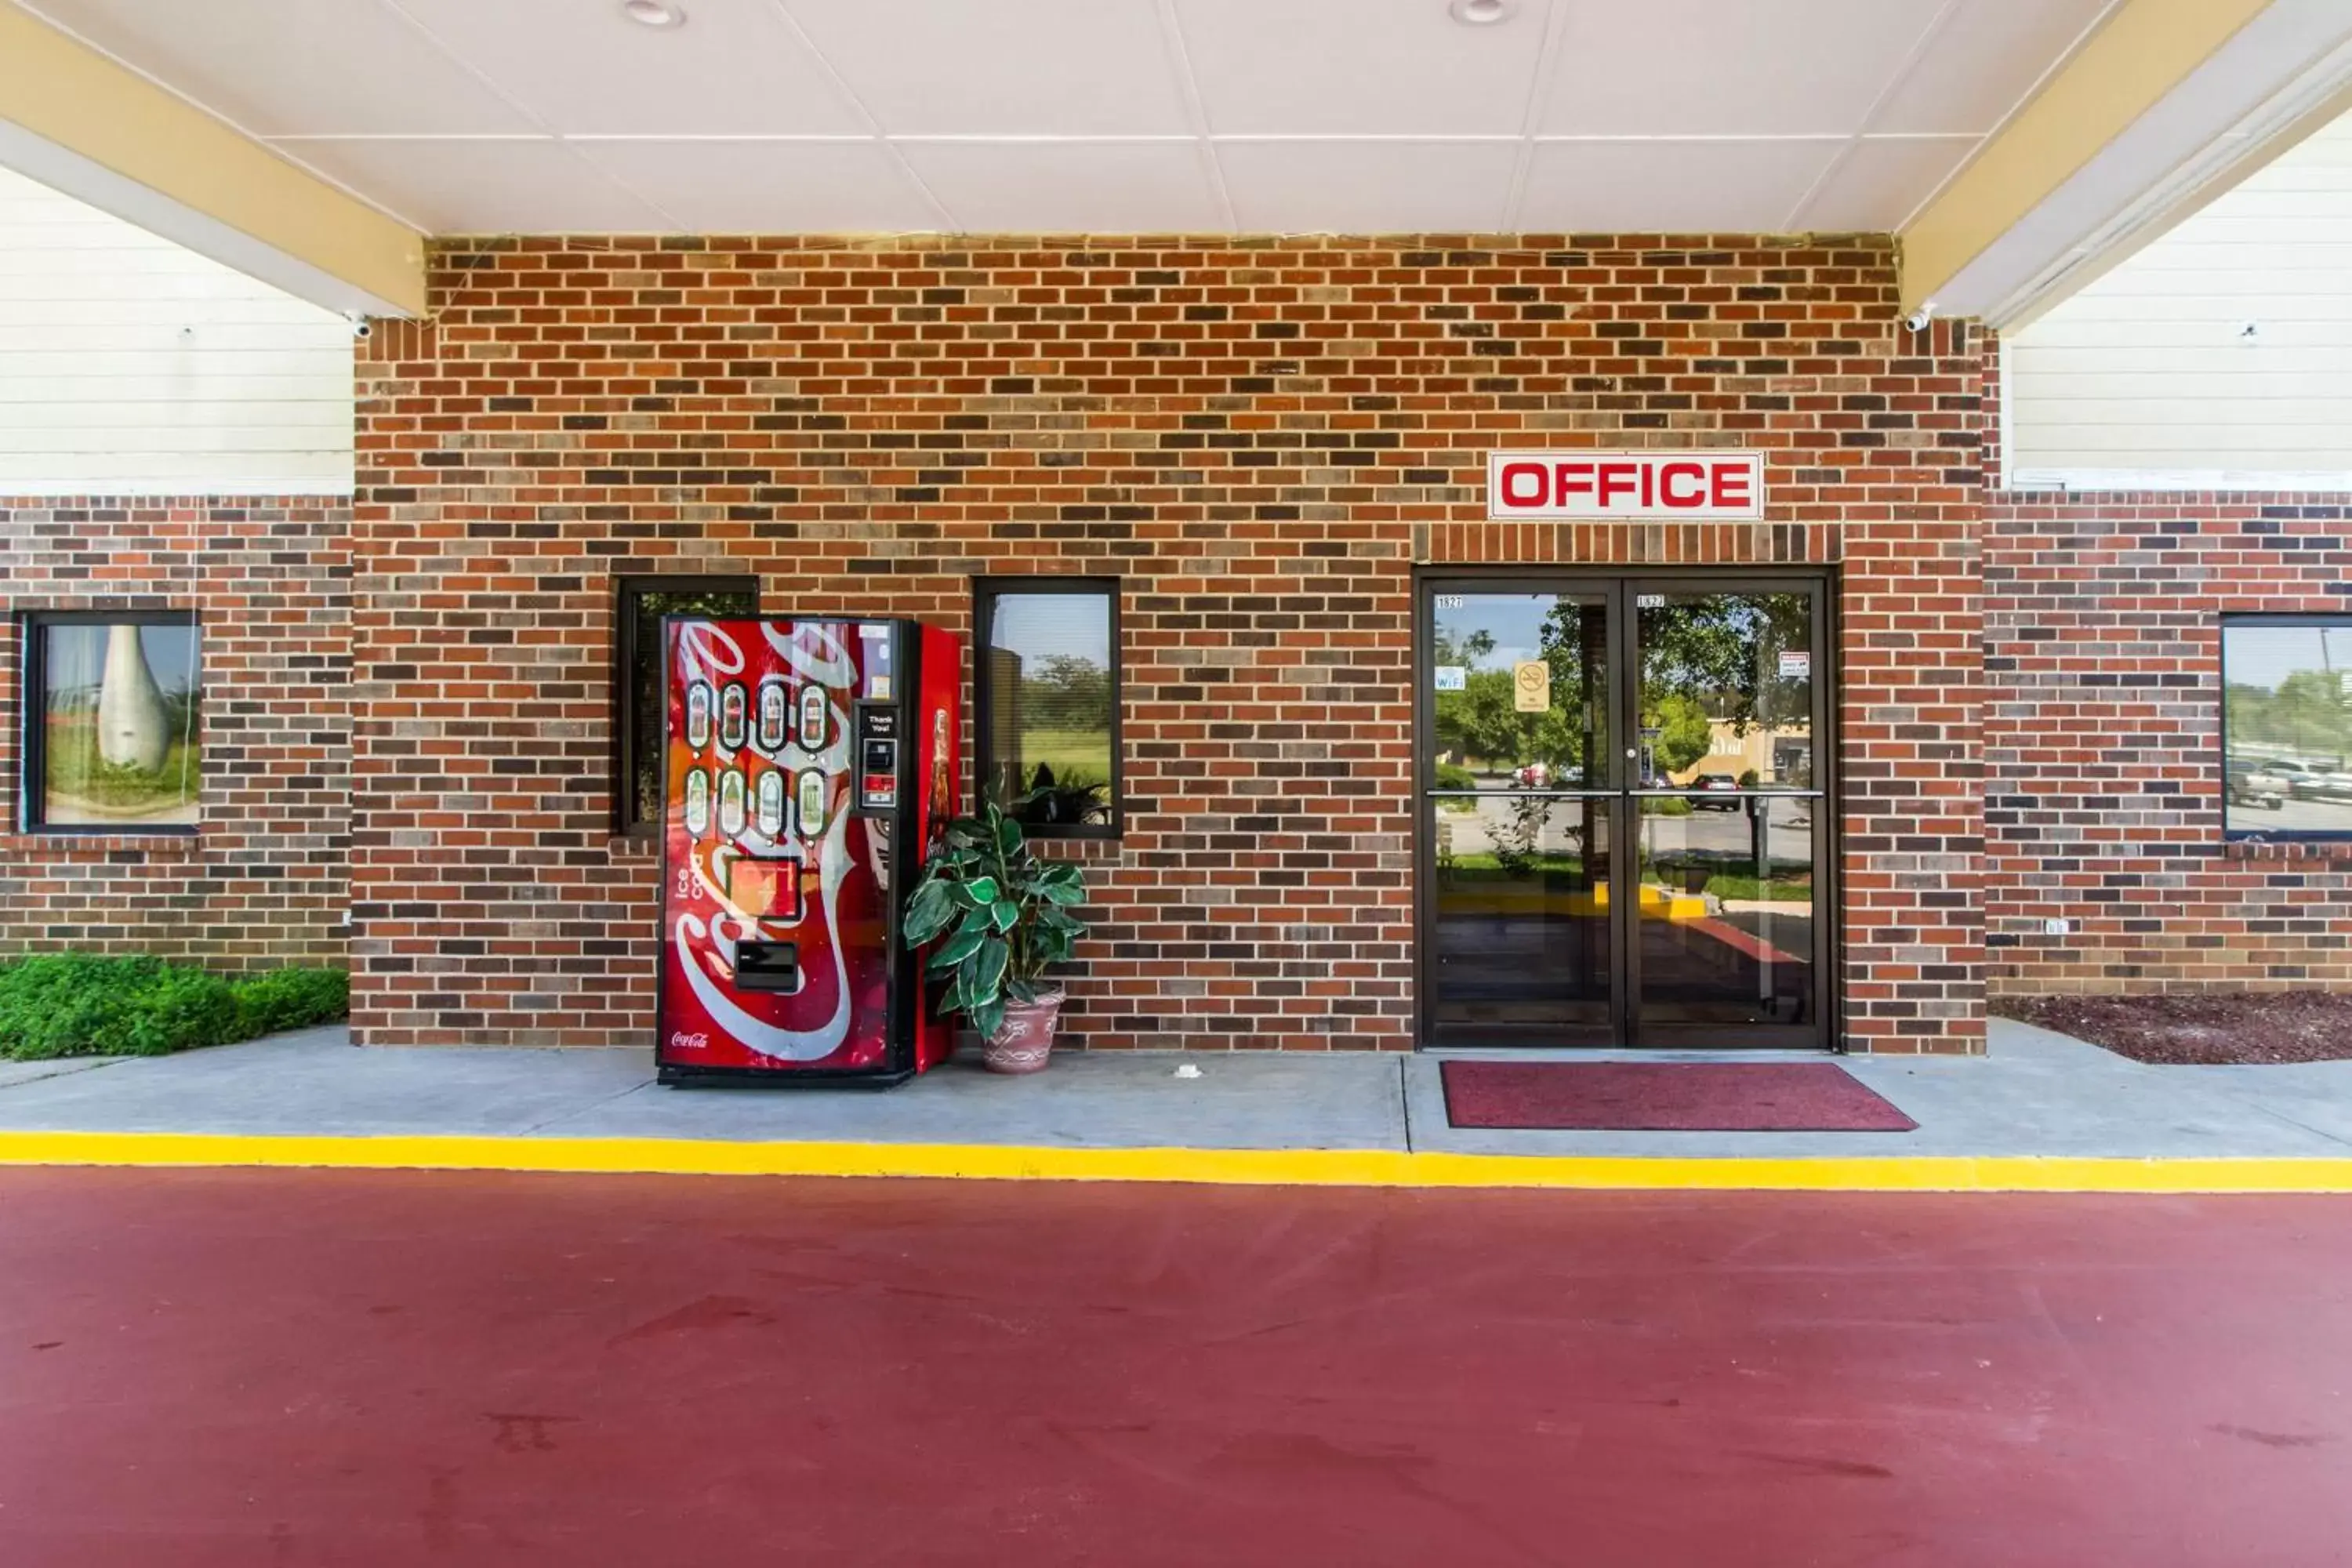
point(283, 1369)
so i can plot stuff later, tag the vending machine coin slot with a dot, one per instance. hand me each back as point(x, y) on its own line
point(767, 966)
point(877, 759)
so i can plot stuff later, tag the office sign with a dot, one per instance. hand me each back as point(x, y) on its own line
point(1579, 484)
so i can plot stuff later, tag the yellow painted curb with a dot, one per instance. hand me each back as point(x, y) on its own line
point(1238, 1167)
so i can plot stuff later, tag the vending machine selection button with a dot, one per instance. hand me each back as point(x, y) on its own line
point(732, 716)
point(730, 803)
point(812, 802)
point(768, 811)
point(813, 726)
point(774, 716)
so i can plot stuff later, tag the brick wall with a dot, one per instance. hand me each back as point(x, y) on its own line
point(264, 881)
point(2102, 739)
point(1262, 439)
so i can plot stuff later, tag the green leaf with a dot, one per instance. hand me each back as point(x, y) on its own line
point(927, 912)
point(980, 890)
point(964, 943)
point(1008, 836)
point(1065, 893)
point(1021, 990)
point(1004, 914)
point(988, 1017)
point(984, 975)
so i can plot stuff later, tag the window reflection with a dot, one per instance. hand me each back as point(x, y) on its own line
point(2287, 728)
point(1048, 662)
point(1726, 694)
point(118, 710)
point(644, 603)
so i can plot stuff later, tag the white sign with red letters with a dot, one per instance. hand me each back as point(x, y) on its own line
point(1578, 483)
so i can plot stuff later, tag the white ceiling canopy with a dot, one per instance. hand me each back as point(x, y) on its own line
point(1109, 116)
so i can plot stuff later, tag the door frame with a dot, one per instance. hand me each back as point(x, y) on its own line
point(1620, 585)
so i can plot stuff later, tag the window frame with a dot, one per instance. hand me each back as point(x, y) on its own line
point(32, 732)
point(985, 592)
point(626, 587)
point(2323, 620)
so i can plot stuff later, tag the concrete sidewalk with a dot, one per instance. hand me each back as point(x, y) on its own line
point(310, 1098)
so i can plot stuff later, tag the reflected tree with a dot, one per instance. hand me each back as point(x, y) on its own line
point(1723, 652)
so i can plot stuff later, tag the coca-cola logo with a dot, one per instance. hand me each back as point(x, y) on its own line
point(679, 1040)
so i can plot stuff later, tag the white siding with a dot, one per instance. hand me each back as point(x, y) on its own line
point(2149, 376)
point(129, 366)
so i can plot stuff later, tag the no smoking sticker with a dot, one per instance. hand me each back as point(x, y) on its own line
point(1531, 686)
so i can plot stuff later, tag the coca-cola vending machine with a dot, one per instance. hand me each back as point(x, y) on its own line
point(810, 768)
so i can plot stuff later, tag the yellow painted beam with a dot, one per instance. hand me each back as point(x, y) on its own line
point(234, 199)
point(1231, 1167)
point(2145, 50)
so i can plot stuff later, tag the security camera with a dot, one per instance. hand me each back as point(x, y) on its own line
point(1917, 320)
point(362, 327)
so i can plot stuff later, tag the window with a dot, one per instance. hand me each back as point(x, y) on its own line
point(2286, 727)
point(112, 741)
point(637, 791)
point(1046, 664)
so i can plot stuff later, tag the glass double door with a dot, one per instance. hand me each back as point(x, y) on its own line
point(1624, 832)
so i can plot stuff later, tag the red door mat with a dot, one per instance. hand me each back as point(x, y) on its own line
point(1666, 1097)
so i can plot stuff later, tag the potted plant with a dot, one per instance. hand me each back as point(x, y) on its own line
point(1004, 914)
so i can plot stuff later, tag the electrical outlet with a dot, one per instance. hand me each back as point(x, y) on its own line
point(2057, 925)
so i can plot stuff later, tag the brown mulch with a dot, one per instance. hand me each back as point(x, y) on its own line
point(2196, 1030)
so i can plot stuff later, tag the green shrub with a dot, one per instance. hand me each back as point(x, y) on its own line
point(290, 999)
point(1453, 775)
point(78, 1005)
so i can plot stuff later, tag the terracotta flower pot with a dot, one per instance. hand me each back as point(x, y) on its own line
point(1023, 1041)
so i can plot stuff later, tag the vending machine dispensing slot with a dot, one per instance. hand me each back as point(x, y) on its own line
point(768, 966)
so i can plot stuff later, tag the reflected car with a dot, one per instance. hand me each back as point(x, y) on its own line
point(1716, 792)
point(2254, 783)
point(2307, 781)
point(1543, 775)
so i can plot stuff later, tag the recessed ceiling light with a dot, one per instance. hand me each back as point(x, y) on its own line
point(659, 13)
point(1481, 12)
